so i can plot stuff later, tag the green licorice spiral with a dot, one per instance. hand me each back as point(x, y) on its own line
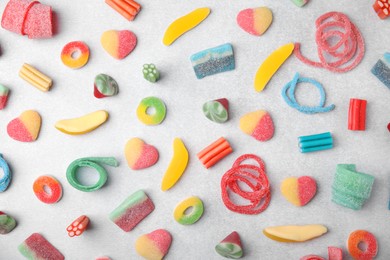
point(215, 111)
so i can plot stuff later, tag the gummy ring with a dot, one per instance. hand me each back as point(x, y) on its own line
point(362, 236)
point(6, 179)
point(188, 219)
point(52, 184)
point(70, 49)
point(254, 177)
point(154, 118)
point(91, 162)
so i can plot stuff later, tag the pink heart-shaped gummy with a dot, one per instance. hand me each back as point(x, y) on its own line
point(140, 155)
point(118, 44)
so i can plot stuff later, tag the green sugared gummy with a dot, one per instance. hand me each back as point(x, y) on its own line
point(229, 250)
point(134, 199)
point(346, 200)
point(353, 183)
point(151, 73)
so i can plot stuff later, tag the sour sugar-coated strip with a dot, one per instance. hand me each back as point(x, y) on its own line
point(348, 51)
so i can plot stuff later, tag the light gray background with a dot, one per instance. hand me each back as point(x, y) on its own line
point(71, 96)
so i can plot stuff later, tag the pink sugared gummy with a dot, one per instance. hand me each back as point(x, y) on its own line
point(161, 239)
point(149, 156)
point(37, 245)
point(307, 188)
point(335, 253)
point(18, 131)
point(264, 129)
point(3, 101)
point(127, 43)
point(15, 13)
point(246, 21)
point(38, 23)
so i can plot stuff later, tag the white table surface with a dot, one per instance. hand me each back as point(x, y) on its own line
point(72, 96)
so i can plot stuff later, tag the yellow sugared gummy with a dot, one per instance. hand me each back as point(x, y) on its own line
point(271, 64)
point(248, 122)
point(289, 189)
point(184, 24)
point(146, 248)
point(177, 165)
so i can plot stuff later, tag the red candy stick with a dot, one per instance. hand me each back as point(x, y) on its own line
point(382, 8)
point(357, 114)
point(259, 194)
point(78, 226)
point(214, 152)
point(347, 52)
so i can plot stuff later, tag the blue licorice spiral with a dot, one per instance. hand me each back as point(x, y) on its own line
point(288, 94)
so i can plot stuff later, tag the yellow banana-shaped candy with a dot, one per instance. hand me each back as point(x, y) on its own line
point(84, 124)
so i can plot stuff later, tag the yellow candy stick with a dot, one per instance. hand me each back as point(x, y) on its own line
point(184, 24)
point(294, 233)
point(271, 65)
point(84, 124)
point(177, 165)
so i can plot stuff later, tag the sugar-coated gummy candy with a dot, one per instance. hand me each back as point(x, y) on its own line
point(370, 245)
point(299, 191)
point(78, 226)
point(271, 64)
point(151, 73)
point(35, 77)
point(184, 24)
point(335, 56)
point(132, 211)
point(105, 86)
point(259, 195)
point(26, 127)
point(351, 188)
point(195, 205)
point(258, 124)
point(118, 44)
point(6, 177)
point(177, 165)
point(36, 247)
point(140, 155)
point(103, 258)
point(335, 253)
point(28, 17)
point(127, 8)
point(294, 233)
point(230, 246)
point(255, 20)
point(217, 110)
point(288, 94)
point(7, 223)
point(4, 92)
point(381, 69)
point(154, 245)
point(84, 124)
point(214, 60)
point(70, 49)
point(43, 183)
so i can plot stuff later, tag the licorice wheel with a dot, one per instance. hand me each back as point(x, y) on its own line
point(254, 176)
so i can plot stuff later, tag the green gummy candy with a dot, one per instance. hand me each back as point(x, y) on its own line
point(7, 223)
point(151, 73)
point(353, 183)
point(347, 200)
point(229, 250)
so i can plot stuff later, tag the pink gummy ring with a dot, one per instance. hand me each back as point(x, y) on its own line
point(346, 53)
point(252, 176)
point(47, 189)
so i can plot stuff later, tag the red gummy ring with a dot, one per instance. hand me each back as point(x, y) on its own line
point(252, 176)
point(347, 52)
point(362, 236)
point(52, 184)
point(74, 47)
